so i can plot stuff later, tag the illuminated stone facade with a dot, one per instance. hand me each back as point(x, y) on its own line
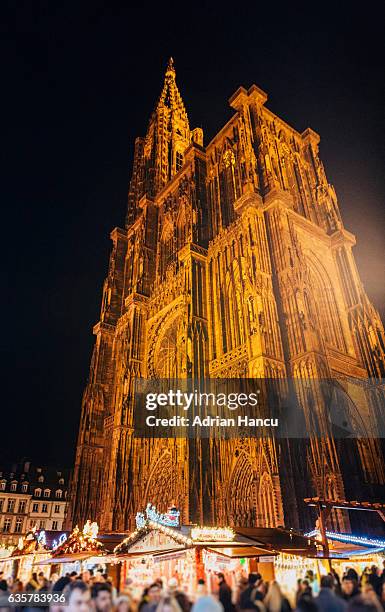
point(234, 262)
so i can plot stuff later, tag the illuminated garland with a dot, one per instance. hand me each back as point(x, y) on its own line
point(136, 535)
point(349, 539)
point(33, 542)
point(213, 534)
point(80, 541)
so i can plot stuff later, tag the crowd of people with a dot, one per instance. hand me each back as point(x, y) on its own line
point(94, 591)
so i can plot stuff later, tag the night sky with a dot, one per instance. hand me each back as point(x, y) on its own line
point(78, 84)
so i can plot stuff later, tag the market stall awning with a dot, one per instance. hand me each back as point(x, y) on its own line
point(70, 558)
point(280, 540)
point(240, 552)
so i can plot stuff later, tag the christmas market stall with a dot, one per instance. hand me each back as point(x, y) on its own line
point(162, 548)
point(352, 551)
point(33, 548)
point(6, 561)
point(78, 550)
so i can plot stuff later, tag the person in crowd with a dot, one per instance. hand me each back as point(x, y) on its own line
point(224, 593)
point(306, 605)
point(304, 591)
point(375, 580)
point(359, 604)
point(168, 604)
point(87, 576)
point(313, 583)
point(32, 584)
point(74, 576)
point(60, 584)
point(327, 600)
point(207, 603)
point(369, 595)
point(78, 597)
point(151, 598)
point(99, 576)
point(241, 585)
point(251, 595)
point(337, 581)
point(102, 597)
point(351, 574)
point(123, 604)
point(201, 588)
point(178, 595)
point(349, 586)
point(275, 600)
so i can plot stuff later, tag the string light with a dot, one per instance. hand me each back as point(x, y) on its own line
point(349, 539)
point(213, 534)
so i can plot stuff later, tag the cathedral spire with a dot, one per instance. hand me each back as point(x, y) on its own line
point(168, 134)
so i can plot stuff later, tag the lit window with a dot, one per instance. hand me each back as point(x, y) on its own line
point(7, 525)
point(11, 505)
point(47, 492)
point(21, 506)
point(59, 493)
point(18, 525)
point(2, 485)
point(54, 525)
point(42, 525)
point(24, 487)
point(179, 160)
point(41, 478)
point(61, 481)
point(35, 507)
point(13, 486)
point(44, 508)
point(57, 508)
point(37, 492)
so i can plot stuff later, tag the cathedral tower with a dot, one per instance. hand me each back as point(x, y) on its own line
point(234, 263)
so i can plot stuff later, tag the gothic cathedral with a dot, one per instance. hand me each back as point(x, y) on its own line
point(234, 262)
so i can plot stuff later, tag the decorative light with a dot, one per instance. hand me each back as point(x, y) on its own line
point(213, 534)
point(170, 518)
point(349, 539)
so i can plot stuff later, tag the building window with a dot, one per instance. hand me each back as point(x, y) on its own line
point(7, 525)
point(37, 492)
point(18, 525)
point(44, 508)
point(42, 525)
point(1, 505)
point(21, 506)
point(11, 505)
point(24, 487)
point(54, 525)
point(47, 492)
point(61, 481)
point(59, 493)
point(41, 478)
point(35, 507)
point(57, 508)
point(178, 160)
point(13, 486)
point(2, 485)
point(32, 524)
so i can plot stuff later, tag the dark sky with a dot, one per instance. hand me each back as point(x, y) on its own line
point(78, 83)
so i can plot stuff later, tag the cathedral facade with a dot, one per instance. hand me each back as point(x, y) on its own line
point(234, 263)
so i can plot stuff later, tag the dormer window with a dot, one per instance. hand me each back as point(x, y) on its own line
point(13, 486)
point(61, 481)
point(59, 493)
point(2, 485)
point(41, 478)
point(37, 492)
point(24, 487)
point(47, 492)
